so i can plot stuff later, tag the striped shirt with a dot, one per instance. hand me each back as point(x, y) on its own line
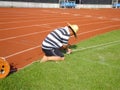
point(56, 38)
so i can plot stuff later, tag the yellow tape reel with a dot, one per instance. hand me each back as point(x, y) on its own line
point(4, 68)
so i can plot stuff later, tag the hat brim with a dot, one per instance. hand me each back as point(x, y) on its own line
point(72, 30)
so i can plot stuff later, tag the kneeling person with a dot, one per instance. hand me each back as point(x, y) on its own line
point(57, 40)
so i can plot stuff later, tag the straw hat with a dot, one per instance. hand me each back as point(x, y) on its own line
point(74, 28)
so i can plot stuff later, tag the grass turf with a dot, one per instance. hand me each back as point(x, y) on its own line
point(96, 68)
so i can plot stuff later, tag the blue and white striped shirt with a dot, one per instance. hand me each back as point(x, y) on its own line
point(56, 38)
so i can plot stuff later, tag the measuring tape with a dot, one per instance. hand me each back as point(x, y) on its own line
point(4, 68)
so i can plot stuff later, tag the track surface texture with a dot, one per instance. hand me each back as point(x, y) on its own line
point(22, 30)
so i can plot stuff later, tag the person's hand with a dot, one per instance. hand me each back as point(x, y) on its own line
point(66, 46)
point(69, 51)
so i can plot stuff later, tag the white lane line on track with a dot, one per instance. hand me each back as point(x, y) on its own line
point(86, 16)
point(98, 29)
point(94, 30)
point(51, 23)
point(65, 13)
point(98, 17)
point(32, 20)
point(39, 47)
point(35, 25)
point(21, 21)
point(37, 20)
point(95, 23)
point(14, 13)
point(27, 17)
point(90, 47)
point(47, 31)
point(19, 18)
point(115, 19)
point(23, 35)
point(76, 14)
point(26, 50)
point(83, 15)
point(23, 13)
point(29, 20)
point(18, 27)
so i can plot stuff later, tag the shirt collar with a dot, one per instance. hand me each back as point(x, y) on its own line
point(67, 29)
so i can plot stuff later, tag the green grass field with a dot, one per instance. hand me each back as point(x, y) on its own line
point(94, 68)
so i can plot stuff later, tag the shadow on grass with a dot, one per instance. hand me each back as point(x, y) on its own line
point(71, 47)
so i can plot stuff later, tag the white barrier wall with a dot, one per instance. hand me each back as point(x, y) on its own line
point(93, 6)
point(27, 4)
point(47, 5)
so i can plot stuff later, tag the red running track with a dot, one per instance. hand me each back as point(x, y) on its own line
point(22, 30)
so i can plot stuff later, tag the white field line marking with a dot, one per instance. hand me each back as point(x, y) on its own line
point(100, 45)
point(50, 30)
point(99, 62)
